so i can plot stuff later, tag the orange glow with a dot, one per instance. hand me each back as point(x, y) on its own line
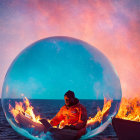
point(129, 109)
point(62, 124)
point(100, 114)
point(27, 110)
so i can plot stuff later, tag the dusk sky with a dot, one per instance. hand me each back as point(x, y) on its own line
point(113, 27)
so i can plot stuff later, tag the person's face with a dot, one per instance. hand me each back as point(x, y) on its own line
point(68, 101)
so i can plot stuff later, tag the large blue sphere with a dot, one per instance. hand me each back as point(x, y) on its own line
point(48, 68)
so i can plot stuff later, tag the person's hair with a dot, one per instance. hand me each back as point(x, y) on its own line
point(70, 94)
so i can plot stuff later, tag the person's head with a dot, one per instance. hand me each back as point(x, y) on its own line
point(69, 97)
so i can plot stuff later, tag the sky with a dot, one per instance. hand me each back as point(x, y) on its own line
point(113, 27)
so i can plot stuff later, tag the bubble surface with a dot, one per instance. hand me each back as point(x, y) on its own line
point(45, 70)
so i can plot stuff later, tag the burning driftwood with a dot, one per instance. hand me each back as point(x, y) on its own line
point(25, 117)
point(28, 123)
point(26, 108)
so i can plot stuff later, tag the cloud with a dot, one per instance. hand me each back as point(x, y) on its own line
point(112, 26)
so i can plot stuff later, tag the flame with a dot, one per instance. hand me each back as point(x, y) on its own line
point(100, 114)
point(129, 109)
point(25, 108)
point(62, 124)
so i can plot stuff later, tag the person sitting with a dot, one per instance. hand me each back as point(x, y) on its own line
point(73, 114)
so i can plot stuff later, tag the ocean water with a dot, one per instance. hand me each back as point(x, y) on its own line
point(48, 109)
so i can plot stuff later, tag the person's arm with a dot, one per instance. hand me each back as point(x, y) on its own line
point(82, 119)
point(58, 118)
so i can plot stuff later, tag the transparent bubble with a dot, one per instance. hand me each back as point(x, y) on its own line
point(43, 72)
